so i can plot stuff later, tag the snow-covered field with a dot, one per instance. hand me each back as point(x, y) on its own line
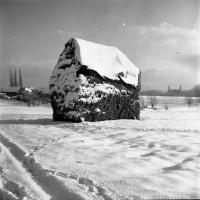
point(156, 157)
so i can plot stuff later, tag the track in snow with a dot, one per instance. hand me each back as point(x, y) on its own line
point(47, 181)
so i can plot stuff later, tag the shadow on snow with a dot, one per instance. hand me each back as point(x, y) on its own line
point(42, 121)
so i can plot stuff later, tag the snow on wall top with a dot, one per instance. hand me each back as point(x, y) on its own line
point(107, 61)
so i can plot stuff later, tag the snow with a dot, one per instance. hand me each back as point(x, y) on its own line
point(11, 183)
point(156, 157)
point(89, 93)
point(108, 61)
point(28, 90)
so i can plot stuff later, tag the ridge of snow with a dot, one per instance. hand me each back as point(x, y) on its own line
point(108, 61)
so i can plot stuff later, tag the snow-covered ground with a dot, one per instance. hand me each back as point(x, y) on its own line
point(156, 157)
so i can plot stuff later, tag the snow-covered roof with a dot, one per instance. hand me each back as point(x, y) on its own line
point(28, 90)
point(108, 61)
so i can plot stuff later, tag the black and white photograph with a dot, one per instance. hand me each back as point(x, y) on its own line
point(99, 99)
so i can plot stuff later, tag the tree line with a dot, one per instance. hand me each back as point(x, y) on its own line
point(191, 96)
point(194, 92)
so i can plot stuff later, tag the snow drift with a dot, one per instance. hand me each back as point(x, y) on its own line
point(94, 82)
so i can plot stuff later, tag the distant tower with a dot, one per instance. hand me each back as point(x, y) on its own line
point(20, 78)
point(15, 78)
point(180, 89)
point(11, 78)
point(168, 88)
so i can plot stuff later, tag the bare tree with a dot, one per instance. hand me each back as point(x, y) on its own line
point(197, 92)
point(153, 101)
point(142, 103)
point(189, 101)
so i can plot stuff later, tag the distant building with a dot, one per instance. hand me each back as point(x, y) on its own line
point(12, 91)
point(174, 92)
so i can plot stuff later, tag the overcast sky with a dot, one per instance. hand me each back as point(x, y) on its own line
point(162, 38)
